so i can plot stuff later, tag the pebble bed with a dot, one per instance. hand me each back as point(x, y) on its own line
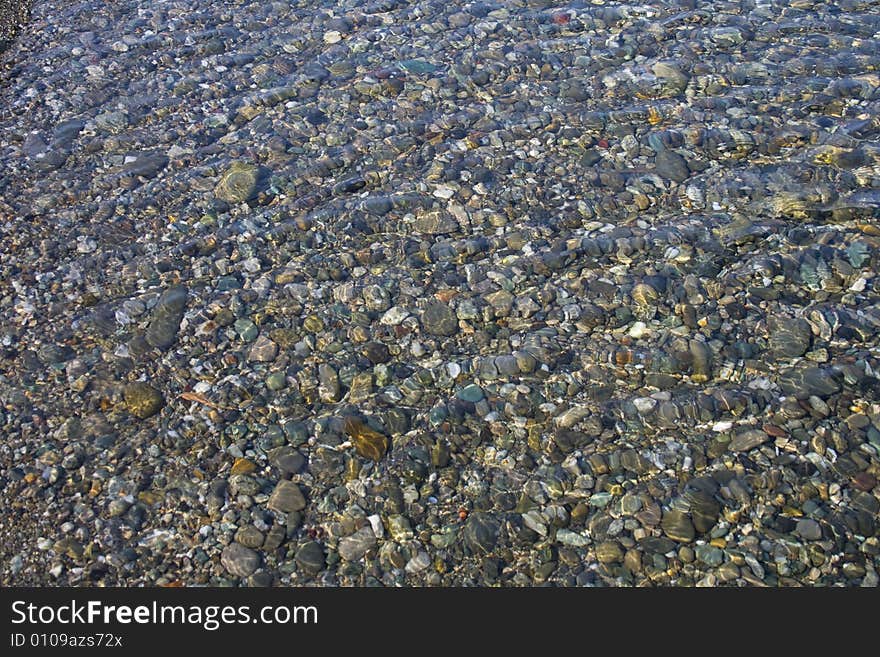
point(386, 293)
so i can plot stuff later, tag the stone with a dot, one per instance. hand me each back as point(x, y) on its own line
point(286, 497)
point(328, 384)
point(808, 529)
point(238, 560)
point(166, 317)
point(709, 555)
point(287, 459)
point(439, 319)
point(142, 400)
point(471, 393)
point(367, 442)
point(354, 547)
point(677, 525)
point(146, 165)
point(789, 337)
point(263, 350)
point(376, 352)
point(609, 552)
point(481, 532)
point(802, 382)
point(249, 536)
point(240, 183)
point(310, 557)
point(748, 439)
point(671, 165)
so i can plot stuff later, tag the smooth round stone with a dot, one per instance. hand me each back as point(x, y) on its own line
point(310, 557)
point(142, 400)
point(808, 529)
point(671, 165)
point(709, 555)
point(354, 547)
point(276, 381)
point(238, 560)
point(439, 319)
point(287, 459)
point(239, 183)
point(481, 532)
point(748, 439)
point(286, 497)
point(804, 382)
point(609, 552)
point(472, 393)
point(789, 336)
point(249, 536)
point(678, 526)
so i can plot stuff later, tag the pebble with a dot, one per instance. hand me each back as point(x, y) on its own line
point(286, 497)
point(142, 400)
point(355, 546)
point(239, 561)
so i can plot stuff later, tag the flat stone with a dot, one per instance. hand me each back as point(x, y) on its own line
point(166, 317)
point(239, 183)
point(671, 165)
point(678, 526)
point(263, 350)
point(286, 497)
point(481, 532)
point(472, 393)
point(310, 557)
point(354, 547)
point(142, 400)
point(238, 560)
point(748, 439)
point(709, 555)
point(287, 459)
point(808, 529)
point(609, 552)
point(439, 319)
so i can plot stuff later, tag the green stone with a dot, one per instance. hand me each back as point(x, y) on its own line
point(276, 381)
point(472, 393)
point(246, 329)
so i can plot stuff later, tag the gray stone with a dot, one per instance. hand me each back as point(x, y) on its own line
point(678, 526)
point(354, 547)
point(709, 555)
point(286, 497)
point(287, 459)
point(166, 317)
point(310, 557)
point(238, 560)
point(809, 529)
point(789, 336)
point(481, 532)
point(241, 182)
point(671, 165)
point(748, 439)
